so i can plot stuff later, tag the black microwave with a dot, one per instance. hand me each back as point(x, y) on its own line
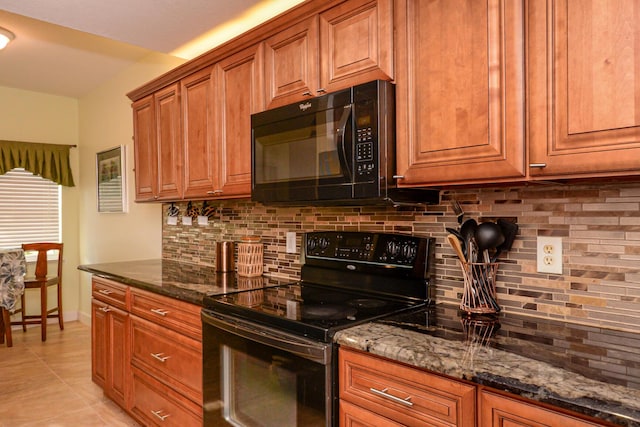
point(335, 149)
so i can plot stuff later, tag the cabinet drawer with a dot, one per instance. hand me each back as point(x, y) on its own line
point(172, 358)
point(355, 416)
point(113, 293)
point(155, 404)
point(498, 410)
point(407, 395)
point(171, 313)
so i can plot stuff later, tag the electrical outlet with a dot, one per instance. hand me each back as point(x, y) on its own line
point(291, 242)
point(549, 255)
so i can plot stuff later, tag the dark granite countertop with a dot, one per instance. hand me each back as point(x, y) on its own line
point(183, 281)
point(590, 370)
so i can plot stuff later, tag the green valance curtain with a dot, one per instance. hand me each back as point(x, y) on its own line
point(49, 161)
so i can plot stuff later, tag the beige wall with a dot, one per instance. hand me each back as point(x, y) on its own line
point(105, 121)
point(37, 117)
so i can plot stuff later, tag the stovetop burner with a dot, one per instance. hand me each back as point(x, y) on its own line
point(367, 303)
point(328, 312)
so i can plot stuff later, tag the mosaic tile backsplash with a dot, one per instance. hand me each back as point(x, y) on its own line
point(599, 226)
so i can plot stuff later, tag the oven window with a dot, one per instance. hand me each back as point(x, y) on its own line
point(305, 148)
point(260, 386)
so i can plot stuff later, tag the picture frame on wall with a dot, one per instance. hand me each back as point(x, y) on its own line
point(111, 180)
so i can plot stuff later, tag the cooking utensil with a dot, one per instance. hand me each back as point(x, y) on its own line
point(509, 230)
point(457, 247)
point(458, 210)
point(468, 232)
point(488, 236)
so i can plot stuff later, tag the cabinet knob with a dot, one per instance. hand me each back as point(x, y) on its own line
point(105, 292)
point(321, 90)
point(307, 93)
point(105, 309)
point(538, 165)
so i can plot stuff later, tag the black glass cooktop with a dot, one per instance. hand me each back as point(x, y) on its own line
point(314, 311)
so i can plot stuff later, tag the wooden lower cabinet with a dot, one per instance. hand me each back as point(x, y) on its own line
point(109, 338)
point(395, 394)
point(375, 391)
point(154, 403)
point(147, 353)
point(497, 410)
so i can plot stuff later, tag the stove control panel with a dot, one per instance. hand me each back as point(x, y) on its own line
point(382, 249)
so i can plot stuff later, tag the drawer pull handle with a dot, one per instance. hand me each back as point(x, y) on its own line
point(160, 311)
point(384, 393)
point(538, 165)
point(105, 309)
point(105, 291)
point(158, 414)
point(160, 357)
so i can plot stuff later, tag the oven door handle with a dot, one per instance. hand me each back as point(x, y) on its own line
point(315, 351)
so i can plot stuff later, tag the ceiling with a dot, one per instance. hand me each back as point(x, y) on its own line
point(69, 47)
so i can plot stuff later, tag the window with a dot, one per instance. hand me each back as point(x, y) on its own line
point(29, 209)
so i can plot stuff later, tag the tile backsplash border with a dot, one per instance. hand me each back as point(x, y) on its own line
point(599, 225)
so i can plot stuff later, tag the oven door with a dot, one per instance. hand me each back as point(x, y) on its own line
point(255, 376)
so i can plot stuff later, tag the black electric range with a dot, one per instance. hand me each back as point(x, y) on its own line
point(347, 278)
point(268, 353)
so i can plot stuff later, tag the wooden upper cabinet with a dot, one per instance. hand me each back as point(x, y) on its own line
point(356, 44)
point(239, 92)
point(291, 63)
point(198, 136)
point(460, 91)
point(346, 45)
point(145, 151)
point(583, 90)
point(169, 143)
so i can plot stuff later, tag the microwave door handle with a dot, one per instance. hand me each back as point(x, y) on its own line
point(342, 128)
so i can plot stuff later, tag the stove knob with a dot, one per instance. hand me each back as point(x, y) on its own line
point(409, 252)
point(393, 248)
point(311, 244)
point(324, 243)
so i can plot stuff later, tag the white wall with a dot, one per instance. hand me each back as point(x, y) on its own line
point(105, 121)
point(37, 117)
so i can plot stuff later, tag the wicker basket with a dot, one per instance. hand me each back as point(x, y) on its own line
point(250, 257)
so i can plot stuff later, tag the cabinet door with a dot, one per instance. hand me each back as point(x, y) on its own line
point(198, 135)
point(109, 350)
point(583, 93)
point(118, 368)
point(459, 92)
point(99, 342)
point(144, 143)
point(356, 44)
point(291, 64)
point(497, 410)
point(169, 144)
point(239, 93)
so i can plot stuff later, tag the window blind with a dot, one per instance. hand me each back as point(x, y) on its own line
point(29, 209)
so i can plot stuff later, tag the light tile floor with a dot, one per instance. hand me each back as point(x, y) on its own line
point(49, 383)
